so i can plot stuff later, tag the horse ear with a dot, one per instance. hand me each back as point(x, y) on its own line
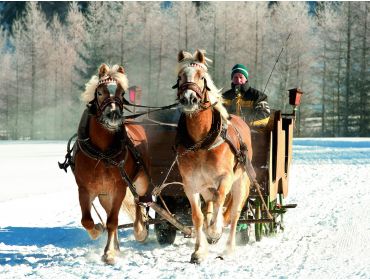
point(199, 55)
point(103, 70)
point(121, 70)
point(180, 55)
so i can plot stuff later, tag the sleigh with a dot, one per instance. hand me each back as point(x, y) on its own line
point(271, 161)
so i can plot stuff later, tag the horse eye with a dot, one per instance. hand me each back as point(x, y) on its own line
point(100, 93)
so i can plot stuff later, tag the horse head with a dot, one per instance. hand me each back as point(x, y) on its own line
point(192, 90)
point(195, 89)
point(104, 94)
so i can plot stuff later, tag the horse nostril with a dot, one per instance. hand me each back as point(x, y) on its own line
point(184, 101)
point(193, 100)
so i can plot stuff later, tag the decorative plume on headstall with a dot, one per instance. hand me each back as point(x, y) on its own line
point(199, 60)
point(106, 75)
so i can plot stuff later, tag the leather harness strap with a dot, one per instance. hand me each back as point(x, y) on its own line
point(220, 132)
point(125, 145)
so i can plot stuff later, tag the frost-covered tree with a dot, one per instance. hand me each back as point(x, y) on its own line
point(167, 53)
point(76, 35)
point(294, 34)
point(361, 70)
point(93, 51)
point(326, 55)
point(16, 88)
point(4, 106)
point(36, 47)
point(346, 49)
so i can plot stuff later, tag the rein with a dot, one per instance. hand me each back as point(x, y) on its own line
point(148, 107)
point(151, 111)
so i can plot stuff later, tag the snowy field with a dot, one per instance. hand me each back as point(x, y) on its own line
point(326, 236)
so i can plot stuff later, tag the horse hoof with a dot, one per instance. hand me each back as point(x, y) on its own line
point(108, 259)
point(196, 258)
point(142, 235)
point(229, 251)
point(213, 240)
point(96, 231)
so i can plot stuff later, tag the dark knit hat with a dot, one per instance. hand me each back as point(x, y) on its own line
point(239, 68)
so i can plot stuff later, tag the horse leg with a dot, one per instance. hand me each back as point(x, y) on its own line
point(140, 229)
point(240, 192)
point(201, 245)
point(112, 246)
point(227, 205)
point(209, 213)
point(214, 231)
point(94, 230)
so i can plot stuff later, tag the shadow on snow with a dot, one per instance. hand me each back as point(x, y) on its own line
point(33, 239)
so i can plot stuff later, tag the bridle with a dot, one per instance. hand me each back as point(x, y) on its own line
point(202, 94)
point(108, 100)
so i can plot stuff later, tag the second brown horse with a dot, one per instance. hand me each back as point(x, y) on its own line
point(212, 149)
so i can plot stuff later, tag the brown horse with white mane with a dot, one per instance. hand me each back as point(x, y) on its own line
point(108, 154)
point(214, 149)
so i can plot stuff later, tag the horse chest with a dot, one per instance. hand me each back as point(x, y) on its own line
point(200, 167)
point(98, 175)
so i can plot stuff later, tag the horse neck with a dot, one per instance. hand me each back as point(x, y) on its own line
point(199, 124)
point(99, 136)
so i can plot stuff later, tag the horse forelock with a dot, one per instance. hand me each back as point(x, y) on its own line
point(90, 87)
point(119, 77)
point(187, 63)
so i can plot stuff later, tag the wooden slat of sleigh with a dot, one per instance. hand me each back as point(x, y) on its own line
point(277, 177)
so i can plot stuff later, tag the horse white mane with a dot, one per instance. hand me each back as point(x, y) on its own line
point(215, 94)
point(114, 72)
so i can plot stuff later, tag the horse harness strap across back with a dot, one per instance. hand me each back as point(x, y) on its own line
point(183, 138)
point(84, 145)
point(219, 133)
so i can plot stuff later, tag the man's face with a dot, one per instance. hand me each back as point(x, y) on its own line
point(239, 79)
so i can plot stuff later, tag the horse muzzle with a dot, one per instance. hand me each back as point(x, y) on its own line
point(112, 117)
point(189, 101)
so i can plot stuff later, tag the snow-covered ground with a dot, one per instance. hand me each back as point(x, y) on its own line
point(326, 236)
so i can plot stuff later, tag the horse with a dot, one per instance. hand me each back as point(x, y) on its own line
point(214, 153)
point(107, 147)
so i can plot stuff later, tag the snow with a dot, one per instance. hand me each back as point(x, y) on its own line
point(326, 236)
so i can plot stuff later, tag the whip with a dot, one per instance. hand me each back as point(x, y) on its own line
point(273, 68)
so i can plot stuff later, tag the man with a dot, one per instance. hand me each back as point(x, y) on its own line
point(246, 101)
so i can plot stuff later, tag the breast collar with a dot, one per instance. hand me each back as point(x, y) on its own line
point(213, 139)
